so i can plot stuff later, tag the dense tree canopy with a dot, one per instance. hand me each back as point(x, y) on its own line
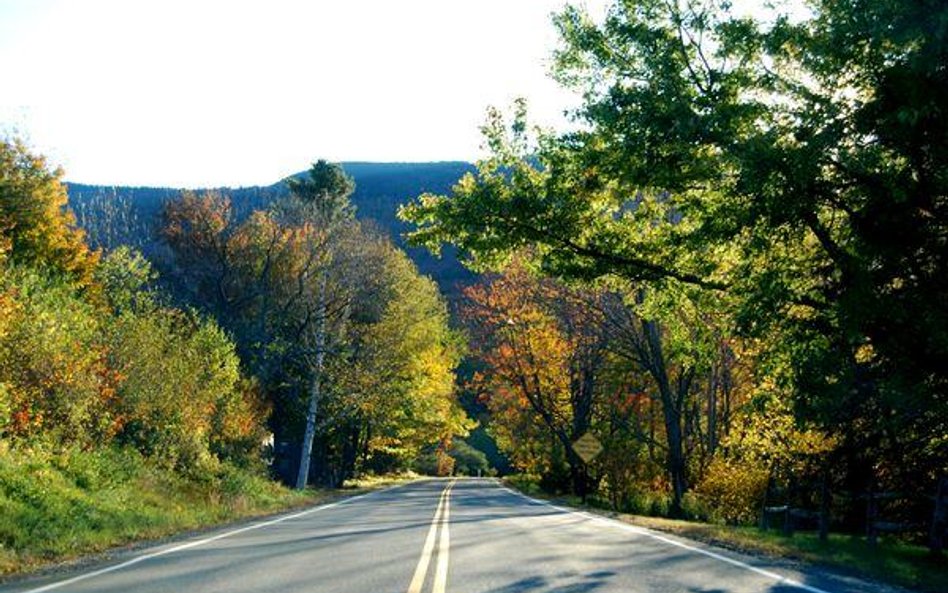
point(350, 343)
point(295, 319)
point(92, 356)
point(791, 168)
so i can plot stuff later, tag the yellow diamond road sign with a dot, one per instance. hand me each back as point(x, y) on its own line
point(587, 447)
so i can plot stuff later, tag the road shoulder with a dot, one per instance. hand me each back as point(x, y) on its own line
point(148, 546)
point(848, 580)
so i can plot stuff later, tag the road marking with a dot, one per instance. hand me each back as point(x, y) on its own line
point(444, 545)
point(649, 533)
point(440, 520)
point(418, 579)
point(207, 540)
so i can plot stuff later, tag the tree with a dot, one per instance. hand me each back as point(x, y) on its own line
point(394, 376)
point(36, 226)
point(325, 200)
point(468, 460)
point(328, 188)
point(732, 155)
point(277, 280)
point(197, 228)
point(544, 348)
point(350, 344)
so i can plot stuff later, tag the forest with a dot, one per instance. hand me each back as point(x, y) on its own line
point(294, 343)
point(732, 273)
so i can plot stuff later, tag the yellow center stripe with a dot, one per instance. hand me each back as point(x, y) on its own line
point(440, 519)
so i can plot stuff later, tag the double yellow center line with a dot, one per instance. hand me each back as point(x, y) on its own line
point(440, 520)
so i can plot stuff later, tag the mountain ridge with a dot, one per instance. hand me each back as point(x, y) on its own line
point(114, 215)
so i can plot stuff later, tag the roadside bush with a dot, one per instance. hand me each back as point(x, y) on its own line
point(695, 508)
point(56, 504)
point(426, 464)
point(445, 463)
point(731, 490)
point(526, 483)
point(625, 466)
point(434, 463)
point(647, 502)
point(181, 388)
point(52, 361)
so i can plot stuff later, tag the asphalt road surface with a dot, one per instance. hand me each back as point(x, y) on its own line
point(438, 536)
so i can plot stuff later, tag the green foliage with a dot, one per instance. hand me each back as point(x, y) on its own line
point(434, 462)
point(53, 361)
point(733, 490)
point(468, 460)
point(649, 502)
point(526, 483)
point(785, 175)
point(57, 505)
point(126, 278)
point(162, 354)
point(327, 188)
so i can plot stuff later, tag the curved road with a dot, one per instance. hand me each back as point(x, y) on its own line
point(438, 536)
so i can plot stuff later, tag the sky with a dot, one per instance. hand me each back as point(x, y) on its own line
point(200, 93)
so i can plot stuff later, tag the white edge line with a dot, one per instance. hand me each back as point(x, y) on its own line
point(207, 540)
point(654, 535)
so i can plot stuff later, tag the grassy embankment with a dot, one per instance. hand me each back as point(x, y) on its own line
point(57, 507)
point(892, 561)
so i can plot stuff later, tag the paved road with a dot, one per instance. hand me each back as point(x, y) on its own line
point(438, 536)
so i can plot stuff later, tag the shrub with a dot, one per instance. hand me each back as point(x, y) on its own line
point(182, 389)
point(52, 361)
point(526, 483)
point(732, 490)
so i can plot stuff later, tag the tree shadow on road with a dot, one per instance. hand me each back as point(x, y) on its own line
point(540, 584)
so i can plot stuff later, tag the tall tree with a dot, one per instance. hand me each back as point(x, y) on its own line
point(324, 197)
point(36, 226)
point(394, 378)
point(796, 165)
point(276, 279)
point(544, 348)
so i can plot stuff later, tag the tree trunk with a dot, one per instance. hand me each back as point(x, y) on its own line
point(712, 412)
point(939, 527)
point(788, 525)
point(577, 483)
point(676, 459)
point(671, 413)
point(350, 452)
point(315, 389)
point(764, 518)
point(824, 505)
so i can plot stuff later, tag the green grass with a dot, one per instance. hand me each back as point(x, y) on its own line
point(892, 561)
point(371, 482)
point(56, 507)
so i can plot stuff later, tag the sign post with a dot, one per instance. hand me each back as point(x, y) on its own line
point(587, 447)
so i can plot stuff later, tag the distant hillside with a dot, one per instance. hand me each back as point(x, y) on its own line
point(127, 215)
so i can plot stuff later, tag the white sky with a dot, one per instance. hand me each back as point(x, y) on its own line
point(204, 93)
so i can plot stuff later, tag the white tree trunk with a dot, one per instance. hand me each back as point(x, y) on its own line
point(320, 339)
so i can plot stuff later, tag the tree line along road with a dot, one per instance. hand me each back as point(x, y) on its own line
point(437, 536)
